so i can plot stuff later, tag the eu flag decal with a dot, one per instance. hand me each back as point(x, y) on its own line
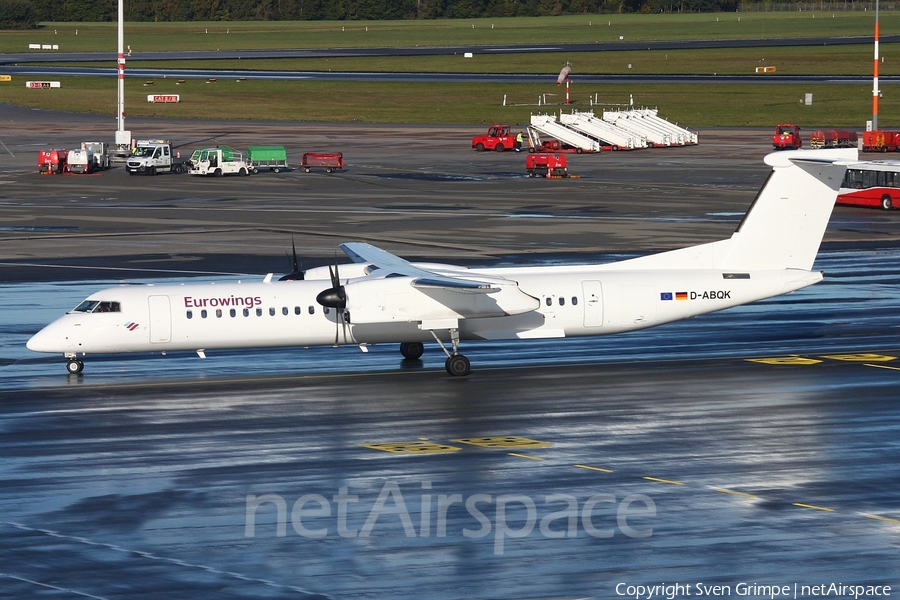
point(665, 295)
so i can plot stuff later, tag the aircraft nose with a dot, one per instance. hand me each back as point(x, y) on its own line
point(42, 341)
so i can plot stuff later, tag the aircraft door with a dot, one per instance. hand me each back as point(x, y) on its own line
point(160, 320)
point(593, 303)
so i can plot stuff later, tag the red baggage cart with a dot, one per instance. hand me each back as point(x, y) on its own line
point(327, 160)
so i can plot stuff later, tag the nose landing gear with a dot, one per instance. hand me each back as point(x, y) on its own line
point(74, 366)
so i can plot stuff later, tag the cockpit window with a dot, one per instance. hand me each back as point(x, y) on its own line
point(86, 306)
point(97, 306)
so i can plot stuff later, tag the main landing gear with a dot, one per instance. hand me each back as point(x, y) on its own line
point(457, 364)
point(412, 350)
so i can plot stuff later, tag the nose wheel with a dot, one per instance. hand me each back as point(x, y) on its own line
point(74, 366)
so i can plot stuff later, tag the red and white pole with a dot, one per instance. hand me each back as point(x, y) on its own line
point(875, 91)
point(123, 137)
point(567, 91)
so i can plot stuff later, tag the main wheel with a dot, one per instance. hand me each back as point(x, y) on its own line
point(479, 147)
point(458, 365)
point(886, 202)
point(74, 366)
point(412, 350)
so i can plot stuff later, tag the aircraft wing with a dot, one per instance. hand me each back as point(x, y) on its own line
point(391, 264)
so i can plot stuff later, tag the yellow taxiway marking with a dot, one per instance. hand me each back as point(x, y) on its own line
point(785, 360)
point(595, 469)
point(877, 518)
point(664, 480)
point(412, 448)
point(882, 367)
point(505, 441)
point(734, 493)
point(864, 357)
point(525, 456)
point(812, 506)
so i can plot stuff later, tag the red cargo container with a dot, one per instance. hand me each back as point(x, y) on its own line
point(833, 138)
point(541, 164)
point(879, 140)
point(329, 161)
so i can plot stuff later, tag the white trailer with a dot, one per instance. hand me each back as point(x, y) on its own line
point(219, 161)
point(80, 161)
point(547, 125)
point(606, 133)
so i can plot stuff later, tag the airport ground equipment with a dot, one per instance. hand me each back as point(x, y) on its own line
point(833, 138)
point(80, 161)
point(647, 122)
point(607, 134)
point(330, 161)
point(879, 140)
point(544, 164)
point(218, 161)
point(150, 157)
point(273, 158)
point(787, 137)
point(100, 151)
point(52, 161)
point(547, 125)
point(498, 137)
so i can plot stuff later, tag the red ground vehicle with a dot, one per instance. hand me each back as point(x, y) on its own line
point(498, 137)
point(330, 161)
point(879, 140)
point(541, 164)
point(554, 145)
point(52, 161)
point(786, 137)
point(871, 183)
point(833, 138)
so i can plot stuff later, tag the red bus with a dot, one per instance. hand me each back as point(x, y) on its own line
point(871, 183)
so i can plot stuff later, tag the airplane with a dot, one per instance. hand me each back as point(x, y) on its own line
point(381, 298)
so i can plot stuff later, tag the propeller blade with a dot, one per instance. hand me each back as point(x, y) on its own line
point(296, 274)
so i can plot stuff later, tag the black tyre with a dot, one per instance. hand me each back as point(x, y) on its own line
point(479, 147)
point(577, 150)
point(74, 367)
point(277, 170)
point(886, 202)
point(500, 148)
point(458, 365)
point(243, 172)
point(412, 350)
point(151, 171)
point(306, 169)
point(218, 172)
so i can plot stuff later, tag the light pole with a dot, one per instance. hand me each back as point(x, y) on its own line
point(123, 138)
point(875, 91)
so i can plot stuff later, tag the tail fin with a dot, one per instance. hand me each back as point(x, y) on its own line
point(785, 224)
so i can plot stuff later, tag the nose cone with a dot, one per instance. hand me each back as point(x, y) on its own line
point(42, 341)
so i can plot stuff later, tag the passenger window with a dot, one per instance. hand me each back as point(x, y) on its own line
point(312, 310)
point(272, 311)
point(284, 310)
point(246, 312)
point(297, 310)
point(190, 314)
point(218, 313)
point(203, 313)
point(258, 312)
point(549, 301)
point(325, 310)
point(574, 300)
point(562, 301)
point(232, 312)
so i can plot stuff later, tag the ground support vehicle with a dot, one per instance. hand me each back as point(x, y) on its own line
point(871, 183)
point(101, 154)
point(833, 138)
point(547, 165)
point(879, 140)
point(787, 137)
point(80, 161)
point(52, 161)
point(498, 137)
point(548, 127)
point(273, 158)
point(150, 157)
point(218, 161)
point(330, 161)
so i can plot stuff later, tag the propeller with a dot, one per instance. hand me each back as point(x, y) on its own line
point(296, 274)
point(335, 297)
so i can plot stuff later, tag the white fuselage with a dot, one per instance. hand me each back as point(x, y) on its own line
point(567, 301)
